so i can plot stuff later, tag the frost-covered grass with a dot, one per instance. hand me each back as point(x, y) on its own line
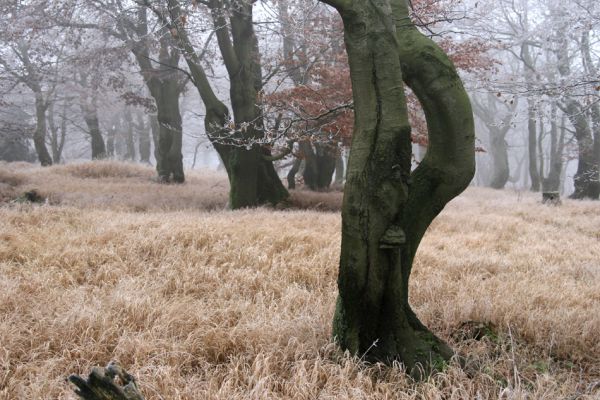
point(217, 304)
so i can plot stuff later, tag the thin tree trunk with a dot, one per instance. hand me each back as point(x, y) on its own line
point(143, 134)
point(90, 115)
point(129, 136)
point(552, 182)
point(291, 176)
point(111, 138)
point(57, 134)
point(339, 169)
point(154, 128)
point(39, 136)
point(534, 174)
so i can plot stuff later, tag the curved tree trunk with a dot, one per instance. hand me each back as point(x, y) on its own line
point(252, 176)
point(386, 209)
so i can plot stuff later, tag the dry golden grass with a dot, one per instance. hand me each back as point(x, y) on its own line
point(238, 305)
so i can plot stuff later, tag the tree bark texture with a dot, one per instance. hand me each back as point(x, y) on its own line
point(386, 208)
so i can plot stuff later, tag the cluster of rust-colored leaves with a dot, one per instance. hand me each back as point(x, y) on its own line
point(326, 85)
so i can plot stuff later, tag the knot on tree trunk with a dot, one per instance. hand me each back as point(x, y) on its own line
point(102, 384)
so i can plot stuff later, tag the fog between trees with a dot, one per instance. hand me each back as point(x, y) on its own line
point(82, 80)
point(405, 103)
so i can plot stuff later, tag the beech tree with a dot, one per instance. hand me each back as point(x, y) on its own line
point(320, 98)
point(31, 62)
point(237, 135)
point(497, 128)
point(386, 207)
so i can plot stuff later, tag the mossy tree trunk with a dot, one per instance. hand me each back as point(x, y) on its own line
point(386, 208)
point(252, 176)
point(169, 160)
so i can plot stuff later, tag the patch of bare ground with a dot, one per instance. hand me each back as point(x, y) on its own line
point(238, 305)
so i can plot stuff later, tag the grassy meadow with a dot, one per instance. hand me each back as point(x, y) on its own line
point(199, 302)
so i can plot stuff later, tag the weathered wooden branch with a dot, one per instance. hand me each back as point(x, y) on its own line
point(102, 384)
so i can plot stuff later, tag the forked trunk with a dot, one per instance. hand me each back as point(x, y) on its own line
point(252, 177)
point(386, 209)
